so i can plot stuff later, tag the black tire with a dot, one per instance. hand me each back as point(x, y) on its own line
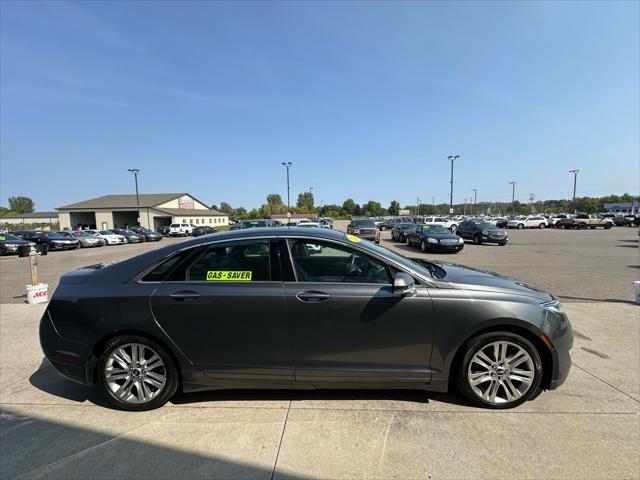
point(542, 225)
point(520, 226)
point(472, 346)
point(170, 386)
point(408, 241)
point(608, 226)
point(582, 226)
point(423, 246)
point(477, 240)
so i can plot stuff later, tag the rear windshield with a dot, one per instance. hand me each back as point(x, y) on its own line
point(175, 225)
point(363, 223)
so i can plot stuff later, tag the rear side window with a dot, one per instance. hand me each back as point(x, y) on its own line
point(161, 271)
point(238, 262)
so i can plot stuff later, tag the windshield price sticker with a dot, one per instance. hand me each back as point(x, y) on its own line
point(354, 239)
point(228, 276)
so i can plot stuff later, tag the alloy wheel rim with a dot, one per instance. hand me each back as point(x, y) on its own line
point(501, 372)
point(135, 373)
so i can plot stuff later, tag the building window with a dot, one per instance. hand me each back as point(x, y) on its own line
point(197, 221)
point(209, 220)
point(184, 220)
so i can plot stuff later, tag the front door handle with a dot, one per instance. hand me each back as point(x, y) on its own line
point(313, 297)
point(185, 295)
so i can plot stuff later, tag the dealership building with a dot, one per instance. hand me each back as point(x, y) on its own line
point(156, 209)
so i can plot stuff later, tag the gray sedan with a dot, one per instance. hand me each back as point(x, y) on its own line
point(301, 308)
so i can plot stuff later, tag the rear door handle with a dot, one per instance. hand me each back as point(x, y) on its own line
point(185, 295)
point(313, 297)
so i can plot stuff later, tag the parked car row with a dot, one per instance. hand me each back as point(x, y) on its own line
point(73, 239)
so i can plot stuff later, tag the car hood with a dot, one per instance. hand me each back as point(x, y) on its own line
point(467, 278)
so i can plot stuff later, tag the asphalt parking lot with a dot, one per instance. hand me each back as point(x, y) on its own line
point(588, 428)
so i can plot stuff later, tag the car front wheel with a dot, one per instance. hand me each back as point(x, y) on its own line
point(137, 374)
point(499, 370)
point(423, 246)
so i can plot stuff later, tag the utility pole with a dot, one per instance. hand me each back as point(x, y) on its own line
point(287, 165)
point(418, 206)
point(452, 158)
point(135, 172)
point(531, 197)
point(475, 199)
point(464, 212)
point(575, 180)
point(513, 196)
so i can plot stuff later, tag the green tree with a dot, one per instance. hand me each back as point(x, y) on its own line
point(372, 209)
point(394, 208)
point(274, 199)
point(349, 206)
point(253, 214)
point(305, 201)
point(239, 212)
point(226, 208)
point(21, 204)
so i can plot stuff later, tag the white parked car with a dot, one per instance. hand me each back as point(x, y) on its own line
point(555, 218)
point(532, 221)
point(180, 229)
point(109, 237)
point(446, 223)
point(309, 224)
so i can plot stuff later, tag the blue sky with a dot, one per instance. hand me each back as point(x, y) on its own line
point(367, 99)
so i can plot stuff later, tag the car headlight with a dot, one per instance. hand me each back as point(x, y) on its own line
point(553, 305)
point(485, 232)
point(432, 240)
point(460, 240)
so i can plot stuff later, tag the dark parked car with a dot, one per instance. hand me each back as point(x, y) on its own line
point(9, 243)
point(362, 228)
point(130, 235)
point(149, 235)
point(399, 231)
point(434, 238)
point(204, 230)
point(482, 232)
point(502, 222)
point(301, 308)
point(49, 239)
point(623, 220)
point(389, 223)
point(164, 230)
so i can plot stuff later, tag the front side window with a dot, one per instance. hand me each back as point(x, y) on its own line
point(238, 262)
point(319, 261)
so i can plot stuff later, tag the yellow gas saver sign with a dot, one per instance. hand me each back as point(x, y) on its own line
point(228, 276)
point(354, 239)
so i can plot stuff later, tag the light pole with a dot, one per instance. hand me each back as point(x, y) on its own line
point(575, 180)
point(513, 196)
point(418, 206)
point(452, 158)
point(475, 198)
point(287, 165)
point(135, 172)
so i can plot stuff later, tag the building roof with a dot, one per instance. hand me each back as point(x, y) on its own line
point(191, 212)
point(33, 215)
point(125, 201)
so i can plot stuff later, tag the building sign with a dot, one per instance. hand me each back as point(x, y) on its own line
point(185, 202)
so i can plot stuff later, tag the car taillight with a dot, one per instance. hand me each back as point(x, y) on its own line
point(356, 230)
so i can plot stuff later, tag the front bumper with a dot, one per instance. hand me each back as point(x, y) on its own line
point(443, 247)
point(559, 331)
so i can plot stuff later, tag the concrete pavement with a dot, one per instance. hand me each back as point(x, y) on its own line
point(589, 428)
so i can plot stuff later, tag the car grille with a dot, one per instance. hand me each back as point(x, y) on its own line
point(497, 234)
point(448, 241)
point(367, 231)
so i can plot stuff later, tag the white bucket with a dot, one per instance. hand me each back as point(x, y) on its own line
point(636, 285)
point(37, 293)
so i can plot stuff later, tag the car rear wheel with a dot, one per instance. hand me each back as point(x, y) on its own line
point(476, 239)
point(520, 226)
point(542, 225)
point(423, 246)
point(582, 226)
point(408, 241)
point(499, 370)
point(137, 374)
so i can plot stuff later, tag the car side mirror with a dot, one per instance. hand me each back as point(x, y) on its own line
point(404, 284)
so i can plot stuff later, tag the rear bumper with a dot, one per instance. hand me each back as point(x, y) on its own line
point(68, 357)
point(445, 248)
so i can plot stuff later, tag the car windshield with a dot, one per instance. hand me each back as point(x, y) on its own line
point(405, 226)
point(7, 236)
point(106, 232)
point(434, 229)
point(254, 224)
point(175, 225)
point(482, 224)
point(363, 223)
point(54, 235)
